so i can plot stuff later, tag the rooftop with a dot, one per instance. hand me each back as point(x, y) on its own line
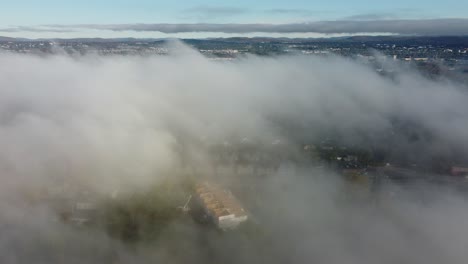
point(218, 201)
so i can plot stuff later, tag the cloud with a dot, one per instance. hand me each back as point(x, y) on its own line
point(284, 10)
point(414, 27)
point(395, 14)
point(132, 121)
point(36, 29)
point(212, 12)
point(291, 11)
point(373, 16)
point(222, 11)
point(216, 10)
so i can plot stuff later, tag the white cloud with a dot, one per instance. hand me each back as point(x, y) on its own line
point(117, 120)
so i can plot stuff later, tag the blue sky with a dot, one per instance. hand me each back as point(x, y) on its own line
point(66, 12)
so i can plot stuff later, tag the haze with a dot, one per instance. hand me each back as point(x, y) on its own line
point(119, 124)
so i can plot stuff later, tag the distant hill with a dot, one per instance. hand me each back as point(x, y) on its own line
point(450, 40)
point(419, 40)
point(5, 39)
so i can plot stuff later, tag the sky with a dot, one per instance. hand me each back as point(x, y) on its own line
point(19, 18)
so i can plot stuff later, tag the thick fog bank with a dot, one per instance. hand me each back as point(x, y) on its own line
point(110, 123)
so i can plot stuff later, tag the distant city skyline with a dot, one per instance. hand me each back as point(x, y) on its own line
point(202, 18)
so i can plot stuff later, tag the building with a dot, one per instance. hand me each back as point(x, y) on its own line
point(220, 206)
point(459, 171)
point(83, 212)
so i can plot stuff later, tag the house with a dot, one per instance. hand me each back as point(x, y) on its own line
point(220, 206)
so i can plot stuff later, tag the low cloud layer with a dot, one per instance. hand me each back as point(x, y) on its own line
point(130, 121)
point(350, 26)
point(215, 11)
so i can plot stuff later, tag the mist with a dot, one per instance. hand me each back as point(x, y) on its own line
point(123, 123)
